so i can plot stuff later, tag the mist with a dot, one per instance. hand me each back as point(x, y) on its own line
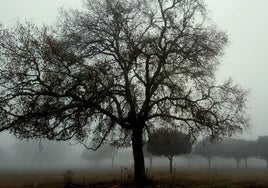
point(44, 154)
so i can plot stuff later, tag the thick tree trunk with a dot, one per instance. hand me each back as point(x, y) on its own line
point(139, 167)
point(170, 164)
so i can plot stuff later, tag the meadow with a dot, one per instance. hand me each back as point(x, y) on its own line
point(121, 177)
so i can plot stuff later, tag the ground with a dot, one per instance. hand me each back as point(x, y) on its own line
point(121, 177)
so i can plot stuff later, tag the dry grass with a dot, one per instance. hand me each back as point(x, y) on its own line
point(195, 178)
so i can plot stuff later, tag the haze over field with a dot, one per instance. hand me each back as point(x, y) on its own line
point(245, 58)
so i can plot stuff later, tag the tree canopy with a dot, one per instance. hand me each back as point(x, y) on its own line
point(114, 69)
point(169, 143)
point(105, 151)
point(206, 148)
point(262, 145)
point(238, 149)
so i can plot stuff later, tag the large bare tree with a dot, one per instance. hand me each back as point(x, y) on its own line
point(115, 69)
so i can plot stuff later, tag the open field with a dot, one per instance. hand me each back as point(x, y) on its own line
point(195, 178)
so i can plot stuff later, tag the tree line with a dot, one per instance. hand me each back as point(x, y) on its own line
point(237, 149)
point(163, 142)
point(171, 143)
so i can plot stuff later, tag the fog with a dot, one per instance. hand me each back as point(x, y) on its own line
point(245, 60)
point(44, 154)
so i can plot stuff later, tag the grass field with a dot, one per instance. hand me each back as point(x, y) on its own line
point(195, 178)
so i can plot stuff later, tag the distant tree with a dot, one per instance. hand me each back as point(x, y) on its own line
point(262, 144)
point(38, 152)
point(238, 149)
point(148, 155)
point(105, 151)
point(206, 148)
point(169, 143)
point(117, 67)
point(3, 153)
point(247, 148)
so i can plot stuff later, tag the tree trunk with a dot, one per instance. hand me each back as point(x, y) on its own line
point(113, 162)
point(237, 163)
point(151, 162)
point(170, 164)
point(209, 163)
point(139, 167)
point(266, 164)
point(246, 163)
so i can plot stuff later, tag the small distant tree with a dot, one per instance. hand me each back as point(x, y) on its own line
point(262, 144)
point(169, 143)
point(3, 153)
point(105, 151)
point(238, 149)
point(206, 148)
point(37, 151)
point(148, 155)
point(247, 148)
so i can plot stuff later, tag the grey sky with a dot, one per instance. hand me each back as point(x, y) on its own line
point(245, 59)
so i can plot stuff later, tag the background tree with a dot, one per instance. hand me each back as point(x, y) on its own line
point(238, 149)
point(226, 149)
point(206, 148)
point(244, 149)
point(38, 152)
point(148, 155)
point(169, 143)
point(262, 145)
point(118, 68)
point(3, 153)
point(105, 151)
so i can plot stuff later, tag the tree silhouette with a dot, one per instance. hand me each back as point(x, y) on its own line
point(148, 155)
point(118, 68)
point(238, 149)
point(105, 151)
point(169, 143)
point(206, 148)
point(38, 152)
point(243, 149)
point(262, 144)
point(3, 153)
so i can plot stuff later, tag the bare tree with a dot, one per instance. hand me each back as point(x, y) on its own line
point(118, 67)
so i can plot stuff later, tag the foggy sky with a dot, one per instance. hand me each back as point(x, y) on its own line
point(245, 58)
